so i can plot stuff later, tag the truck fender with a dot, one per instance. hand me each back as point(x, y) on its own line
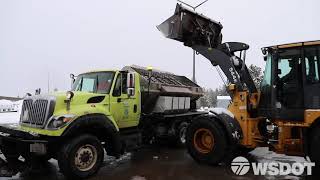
point(100, 126)
point(231, 125)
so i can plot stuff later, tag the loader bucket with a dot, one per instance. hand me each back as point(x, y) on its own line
point(191, 28)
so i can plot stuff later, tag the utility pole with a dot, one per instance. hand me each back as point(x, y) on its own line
point(48, 82)
point(194, 67)
point(194, 52)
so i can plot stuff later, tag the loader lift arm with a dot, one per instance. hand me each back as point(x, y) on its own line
point(204, 36)
point(233, 67)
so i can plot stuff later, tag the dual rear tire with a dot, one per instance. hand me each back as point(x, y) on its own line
point(179, 140)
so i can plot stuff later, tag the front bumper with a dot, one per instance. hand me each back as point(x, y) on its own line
point(13, 141)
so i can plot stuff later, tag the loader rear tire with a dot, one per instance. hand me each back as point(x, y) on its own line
point(81, 157)
point(206, 141)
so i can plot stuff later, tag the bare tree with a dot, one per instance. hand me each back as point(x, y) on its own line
point(209, 99)
point(256, 74)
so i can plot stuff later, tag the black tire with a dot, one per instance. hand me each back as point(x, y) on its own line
point(89, 146)
point(315, 146)
point(218, 151)
point(179, 140)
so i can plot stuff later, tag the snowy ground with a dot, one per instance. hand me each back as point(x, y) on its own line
point(263, 155)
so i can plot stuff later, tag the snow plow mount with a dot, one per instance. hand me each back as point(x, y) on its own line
point(13, 144)
point(191, 28)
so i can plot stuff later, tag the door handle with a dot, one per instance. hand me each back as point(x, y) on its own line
point(135, 108)
point(119, 100)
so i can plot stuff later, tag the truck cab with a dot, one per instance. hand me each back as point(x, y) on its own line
point(114, 94)
point(118, 91)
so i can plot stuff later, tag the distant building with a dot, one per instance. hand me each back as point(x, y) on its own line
point(10, 98)
point(223, 101)
point(9, 104)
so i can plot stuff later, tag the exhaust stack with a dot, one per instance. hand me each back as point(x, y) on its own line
point(191, 28)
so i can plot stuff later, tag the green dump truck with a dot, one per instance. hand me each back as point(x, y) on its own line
point(111, 110)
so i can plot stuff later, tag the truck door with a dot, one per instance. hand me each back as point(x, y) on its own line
point(124, 106)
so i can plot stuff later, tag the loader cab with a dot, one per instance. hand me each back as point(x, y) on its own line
point(291, 81)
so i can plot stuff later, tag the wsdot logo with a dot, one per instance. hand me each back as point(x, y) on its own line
point(240, 165)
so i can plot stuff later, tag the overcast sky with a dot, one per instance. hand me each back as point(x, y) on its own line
point(60, 37)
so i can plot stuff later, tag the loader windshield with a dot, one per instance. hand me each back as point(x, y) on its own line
point(98, 82)
point(266, 82)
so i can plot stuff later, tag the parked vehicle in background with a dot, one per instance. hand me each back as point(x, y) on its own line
point(223, 101)
point(9, 106)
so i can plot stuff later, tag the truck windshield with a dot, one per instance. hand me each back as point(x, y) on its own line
point(98, 82)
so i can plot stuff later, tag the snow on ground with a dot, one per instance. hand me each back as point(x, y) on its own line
point(216, 110)
point(262, 154)
point(10, 117)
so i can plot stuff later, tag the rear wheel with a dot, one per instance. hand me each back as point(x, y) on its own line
point(206, 142)
point(179, 139)
point(81, 157)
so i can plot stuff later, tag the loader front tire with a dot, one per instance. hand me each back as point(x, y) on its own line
point(315, 146)
point(206, 141)
point(81, 157)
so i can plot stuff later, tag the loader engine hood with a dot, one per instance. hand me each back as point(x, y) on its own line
point(191, 28)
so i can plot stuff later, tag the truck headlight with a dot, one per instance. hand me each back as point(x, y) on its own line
point(69, 95)
point(56, 122)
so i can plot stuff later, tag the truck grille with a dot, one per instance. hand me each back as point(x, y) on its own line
point(36, 111)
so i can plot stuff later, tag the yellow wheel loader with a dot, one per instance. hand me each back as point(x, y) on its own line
point(283, 114)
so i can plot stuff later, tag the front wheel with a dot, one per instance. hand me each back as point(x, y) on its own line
point(206, 141)
point(314, 148)
point(81, 157)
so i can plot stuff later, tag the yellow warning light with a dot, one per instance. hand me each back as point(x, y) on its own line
point(149, 68)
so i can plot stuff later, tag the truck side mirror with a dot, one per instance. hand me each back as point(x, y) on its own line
point(130, 84)
point(72, 77)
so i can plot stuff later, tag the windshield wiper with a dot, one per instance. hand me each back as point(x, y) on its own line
point(81, 82)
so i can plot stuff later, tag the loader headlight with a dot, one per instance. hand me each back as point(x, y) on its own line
point(57, 122)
